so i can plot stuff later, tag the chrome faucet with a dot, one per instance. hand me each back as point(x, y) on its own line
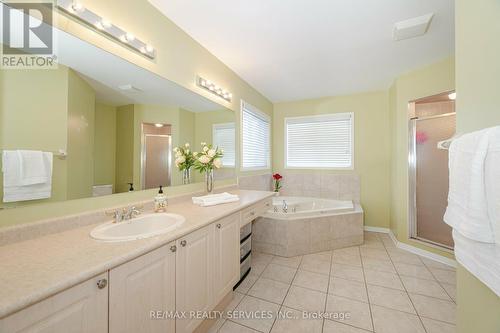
point(285, 207)
point(131, 212)
point(124, 214)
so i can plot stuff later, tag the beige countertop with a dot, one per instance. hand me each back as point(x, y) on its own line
point(35, 269)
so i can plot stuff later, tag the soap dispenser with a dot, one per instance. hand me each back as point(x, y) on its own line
point(160, 201)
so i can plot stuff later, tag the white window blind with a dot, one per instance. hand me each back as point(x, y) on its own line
point(224, 136)
point(255, 137)
point(323, 142)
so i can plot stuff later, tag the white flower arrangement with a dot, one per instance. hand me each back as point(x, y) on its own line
point(209, 158)
point(184, 158)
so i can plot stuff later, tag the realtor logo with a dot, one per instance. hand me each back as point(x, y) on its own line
point(28, 38)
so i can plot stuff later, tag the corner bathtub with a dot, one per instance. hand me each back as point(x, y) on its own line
point(310, 225)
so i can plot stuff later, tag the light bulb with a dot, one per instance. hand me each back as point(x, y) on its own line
point(130, 37)
point(149, 48)
point(123, 38)
point(77, 7)
point(158, 125)
point(99, 25)
point(106, 24)
point(143, 50)
point(452, 96)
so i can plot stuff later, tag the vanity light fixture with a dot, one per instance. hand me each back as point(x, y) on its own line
point(213, 88)
point(77, 10)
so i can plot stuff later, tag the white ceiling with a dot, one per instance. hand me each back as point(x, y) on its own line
point(299, 49)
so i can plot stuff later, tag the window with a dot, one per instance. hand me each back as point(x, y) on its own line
point(323, 142)
point(255, 138)
point(224, 136)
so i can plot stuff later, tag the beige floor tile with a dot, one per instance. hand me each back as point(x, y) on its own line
point(392, 321)
point(435, 264)
point(373, 244)
point(347, 272)
point(322, 256)
point(237, 297)
point(451, 290)
point(250, 305)
point(434, 308)
point(295, 323)
point(232, 327)
point(246, 284)
point(353, 260)
point(405, 257)
point(258, 267)
point(279, 273)
point(383, 279)
point(357, 313)
point(378, 265)
point(331, 326)
point(315, 265)
point(350, 251)
point(305, 299)
point(417, 271)
point(348, 288)
point(371, 236)
point(443, 275)
point(424, 287)
point(311, 280)
point(263, 258)
point(379, 254)
point(269, 290)
point(292, 262)
point(434, 326)
point(390, 298)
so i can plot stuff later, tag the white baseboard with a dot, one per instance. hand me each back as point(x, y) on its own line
point(410, 248)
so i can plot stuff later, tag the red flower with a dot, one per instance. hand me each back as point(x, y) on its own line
point(277, 176)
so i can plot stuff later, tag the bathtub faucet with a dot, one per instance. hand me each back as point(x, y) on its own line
point(285, 207)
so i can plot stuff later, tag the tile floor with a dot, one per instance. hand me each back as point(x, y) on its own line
point(378, 287)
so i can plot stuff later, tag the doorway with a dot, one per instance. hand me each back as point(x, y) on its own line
point(432, 120)
point(156, 155)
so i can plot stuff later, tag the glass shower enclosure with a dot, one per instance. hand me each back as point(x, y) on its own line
point(428, 171)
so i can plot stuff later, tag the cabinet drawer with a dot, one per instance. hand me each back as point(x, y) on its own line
point(245, 247)
point(251, 213)
point(245, 266)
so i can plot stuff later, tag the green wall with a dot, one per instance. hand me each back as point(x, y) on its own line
point(59, 114)
point(371, 140)
point(427, 81)
point(477, 31)
point(124, 172)
point(105, 145)
point(80, 160)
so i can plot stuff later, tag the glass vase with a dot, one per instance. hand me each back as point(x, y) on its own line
point(209, 180)
point(186, 176)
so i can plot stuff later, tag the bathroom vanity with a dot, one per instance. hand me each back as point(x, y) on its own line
point(67, 279)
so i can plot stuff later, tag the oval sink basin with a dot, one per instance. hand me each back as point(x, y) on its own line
point(137, 228)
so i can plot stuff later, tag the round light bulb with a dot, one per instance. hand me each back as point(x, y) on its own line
point(159, 125)
point(106, 23)
point(77, 7)
point(130, 37)
point(149, 48)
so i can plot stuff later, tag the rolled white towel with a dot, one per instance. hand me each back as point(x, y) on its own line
point(215, 199)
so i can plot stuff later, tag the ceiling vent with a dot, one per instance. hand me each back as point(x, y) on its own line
point(413, 27)
point(129, 88)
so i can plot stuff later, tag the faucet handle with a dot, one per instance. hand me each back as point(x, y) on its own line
point(116, 214)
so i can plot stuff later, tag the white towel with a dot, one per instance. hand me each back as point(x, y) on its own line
point(215, 199)
point(467, 210)
point(492, 175)
point(22, 179)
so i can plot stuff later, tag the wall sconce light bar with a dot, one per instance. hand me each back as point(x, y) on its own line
point(213, 88)
point(78, 10)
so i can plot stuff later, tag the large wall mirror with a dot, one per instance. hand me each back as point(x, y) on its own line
point(110, 126)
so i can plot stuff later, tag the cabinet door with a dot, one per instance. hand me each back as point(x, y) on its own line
point(142, 291)
point(226, 256)
point(80, 309)
point(194, 290)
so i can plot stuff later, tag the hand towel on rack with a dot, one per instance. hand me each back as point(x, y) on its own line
point(16, 186)
point(467, 210)
point(215, 199)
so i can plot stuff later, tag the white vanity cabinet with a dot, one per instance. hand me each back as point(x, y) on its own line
point(80, 309)
point(142, 291)
point(226, 256)
point(194, 276)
